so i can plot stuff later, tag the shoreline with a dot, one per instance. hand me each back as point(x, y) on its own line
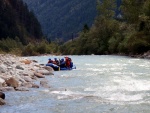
point(20, 74)
point(145, 55)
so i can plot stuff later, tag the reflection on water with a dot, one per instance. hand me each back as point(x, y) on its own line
point(100, 84)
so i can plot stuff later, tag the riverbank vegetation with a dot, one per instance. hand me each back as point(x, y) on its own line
point(127, 33)
point(14, 46)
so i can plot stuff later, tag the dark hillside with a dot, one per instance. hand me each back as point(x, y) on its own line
point(17, 21)
point(62, 18)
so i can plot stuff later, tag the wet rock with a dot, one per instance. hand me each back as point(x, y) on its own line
point(35, 86)
point(2, 102)
point(39, 75)
point(21, 89)
point(19, 67)
point(7, 89)
point(44, 83)
point(146, 55)
point(12, 82)
point(2, 95)
point(50, 69)
point(43, 71)
point(27, 85)
point(20, 79)
point(35, 61)
point(27, 79)
point(34, 77)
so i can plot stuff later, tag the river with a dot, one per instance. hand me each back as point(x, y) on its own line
point(100, 84)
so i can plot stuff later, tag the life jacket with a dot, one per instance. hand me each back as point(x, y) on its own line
point(68, 61)
point(57, 62)
point(50, 61)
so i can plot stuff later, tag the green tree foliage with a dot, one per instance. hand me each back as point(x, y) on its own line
point(11, 45)
point(108, 35)
point(131, 10)
point(95, 41)
point(42, 47)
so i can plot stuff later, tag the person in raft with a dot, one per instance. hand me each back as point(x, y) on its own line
point(62, 63)
point(68, 62)
point(56, 61)
point(50, 61)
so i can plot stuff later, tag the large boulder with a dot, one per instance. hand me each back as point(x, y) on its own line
point(39, 75)
point(26, 61)
point(12, 82)
point(48, 68)
point(43, 71)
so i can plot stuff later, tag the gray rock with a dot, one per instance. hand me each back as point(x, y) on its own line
point(7, 89)
point(2, 82)
point(2, 70)
point(27, 79)
point(2, 102)
point(48, 68)
point(44, 83)
point(21, 89)
point(44, 72)
point(35, 86)
point(19, 67)
point(27, 85)
point(39, 75)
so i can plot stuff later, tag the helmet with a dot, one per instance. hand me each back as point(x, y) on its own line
point(49, 59)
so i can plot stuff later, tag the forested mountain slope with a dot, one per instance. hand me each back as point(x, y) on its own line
point(17, 21)
point(63, 18)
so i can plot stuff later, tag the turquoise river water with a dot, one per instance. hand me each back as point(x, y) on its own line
point(100, 84)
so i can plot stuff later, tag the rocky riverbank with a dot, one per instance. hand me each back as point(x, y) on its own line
point(21, 74)
point(145, 55)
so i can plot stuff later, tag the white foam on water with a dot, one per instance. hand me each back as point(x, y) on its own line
point(45, 90)
point(124, 97)
point(116, 95)
point(121, 88)
point(68, 95)
point(94, 69)
point(55, 92)
point(130, 84)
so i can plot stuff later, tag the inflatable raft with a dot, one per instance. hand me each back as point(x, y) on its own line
point(61, 64)
point(58, 68)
